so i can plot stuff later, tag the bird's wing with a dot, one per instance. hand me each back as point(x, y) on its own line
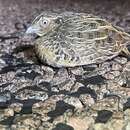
point(90, 38)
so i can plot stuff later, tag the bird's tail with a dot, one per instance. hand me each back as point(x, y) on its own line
point(126, 48)
point(126, 51)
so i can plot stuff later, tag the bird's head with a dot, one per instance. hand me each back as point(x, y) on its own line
point(44, 24)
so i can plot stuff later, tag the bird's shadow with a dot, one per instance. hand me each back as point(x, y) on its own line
point(22, 48)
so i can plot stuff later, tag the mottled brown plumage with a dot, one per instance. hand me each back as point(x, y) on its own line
point(74, 39)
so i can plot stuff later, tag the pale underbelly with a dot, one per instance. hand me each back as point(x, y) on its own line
point(49, 56)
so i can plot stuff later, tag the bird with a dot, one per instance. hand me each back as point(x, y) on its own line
point(70, 39)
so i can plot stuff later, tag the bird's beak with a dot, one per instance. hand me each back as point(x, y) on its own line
point(31, 30)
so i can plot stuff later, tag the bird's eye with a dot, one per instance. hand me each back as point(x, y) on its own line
point(44, 23)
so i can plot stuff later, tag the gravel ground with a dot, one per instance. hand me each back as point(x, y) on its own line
point(34, 96)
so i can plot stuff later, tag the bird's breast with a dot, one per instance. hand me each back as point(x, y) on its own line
point(55, 58)
point(45, 54)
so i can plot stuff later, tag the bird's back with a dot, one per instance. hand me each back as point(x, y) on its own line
point(82, 39)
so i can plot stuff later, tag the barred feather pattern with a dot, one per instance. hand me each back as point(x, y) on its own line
point(81, 40)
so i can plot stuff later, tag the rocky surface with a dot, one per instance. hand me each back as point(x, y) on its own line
point(34, 96)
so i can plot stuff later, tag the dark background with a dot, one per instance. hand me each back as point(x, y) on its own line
point(12, 11)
